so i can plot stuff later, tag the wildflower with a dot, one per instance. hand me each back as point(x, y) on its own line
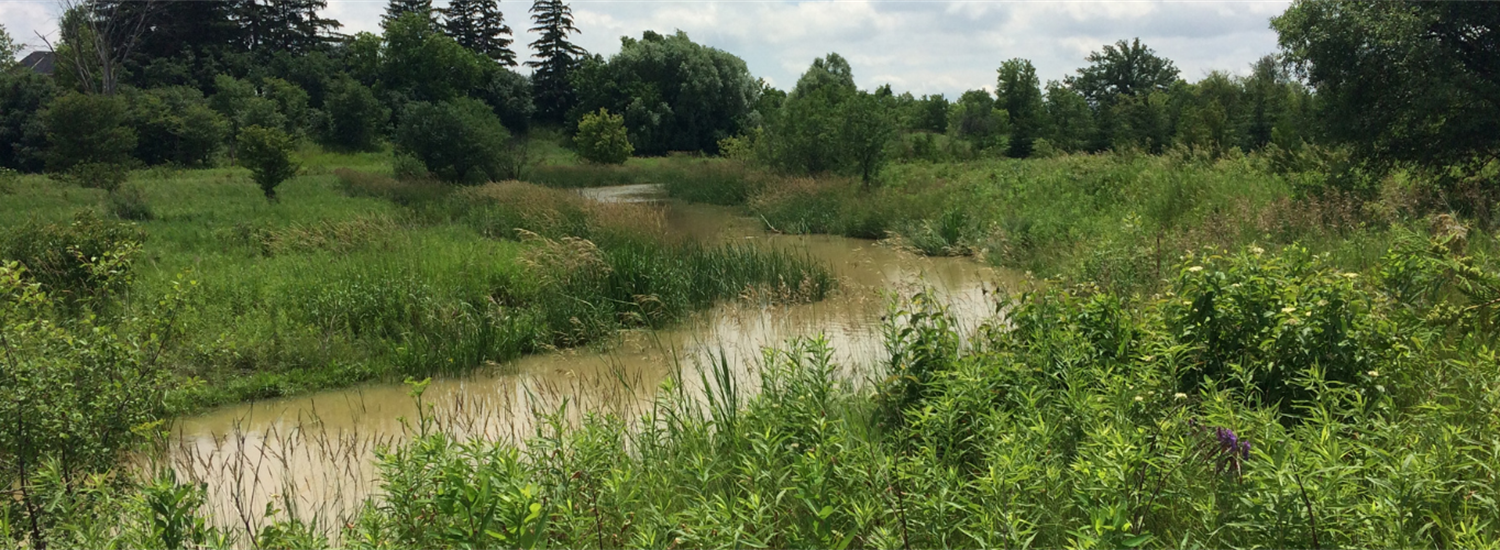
point(1288, 309)
point(1179, 395)
point(1256, 250)
point(1373, 374)
point(1195, 268)
point(1232, 451)
point(1139, 398)
point(1350, 275)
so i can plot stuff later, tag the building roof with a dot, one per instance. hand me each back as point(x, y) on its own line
point(40, 61)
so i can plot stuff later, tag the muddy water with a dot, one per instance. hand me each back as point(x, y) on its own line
point(320, 447)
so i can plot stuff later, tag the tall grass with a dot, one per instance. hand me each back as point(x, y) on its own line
point(1115, 219)
point(1266, 399)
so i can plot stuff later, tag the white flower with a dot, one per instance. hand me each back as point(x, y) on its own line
point(1288, 309)
point(1373, 374)
point(1257, 250)
point(1179, 395)
point(1139, 398)
point(1350, 275)
point(1195, 268)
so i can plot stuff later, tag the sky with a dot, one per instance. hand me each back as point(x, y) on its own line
point(920, 46)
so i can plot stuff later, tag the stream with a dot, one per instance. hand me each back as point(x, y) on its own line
point(313, 455)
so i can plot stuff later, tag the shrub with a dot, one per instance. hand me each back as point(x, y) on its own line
point(459, 141)
point(602, 138)
point(407, 167)
point(85, 129)
point(1267, 323)
point(65, 259)
point(175, 125)
point(267, 152)
point(84, 392)
point(356, 120)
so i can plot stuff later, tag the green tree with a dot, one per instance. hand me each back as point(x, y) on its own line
point(175, 125)
point(1140, 122)
point(88, 129)
point(675, 95)
point(23, 135)
point(1212, 118)
point(602, 138)
point(555, 59)
point(1402, 81)
point(479, 26)
point(804, 137)
point(267, 152)
point(421, 64)
point(356, 119)
point(509, 94)
point(459, 141)
point(9, 49)
point(1126, 68)
point(826, 124)
point(1070, 122)
point(397, 9)
point(867, 129)
point(932, 113)
point(1019, 93)
point(976, 118)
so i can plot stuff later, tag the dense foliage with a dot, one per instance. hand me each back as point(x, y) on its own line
point(675, 95)
point(602, 138)
point(460, 141)
point(267, 152)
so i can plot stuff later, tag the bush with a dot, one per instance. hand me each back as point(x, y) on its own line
point(267, 152)
point(175, 125)
point(85, 129)
point(602, 138)
point(459, 141)
point(83, 393)
point(356, 120)
point(64, 259)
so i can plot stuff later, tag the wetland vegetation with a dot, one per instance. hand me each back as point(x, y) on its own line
point(299, 290)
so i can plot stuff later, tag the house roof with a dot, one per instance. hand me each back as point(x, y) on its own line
point(40, 61)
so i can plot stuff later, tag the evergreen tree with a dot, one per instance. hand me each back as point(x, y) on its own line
point(291, 26)
point(397, 8)
point(1019, 93)
point(556, 58)
point(479, 26)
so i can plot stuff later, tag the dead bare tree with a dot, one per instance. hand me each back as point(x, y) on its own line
point(99, 36)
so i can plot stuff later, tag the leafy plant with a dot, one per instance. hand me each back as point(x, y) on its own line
point(602, 139)
point(267, 152)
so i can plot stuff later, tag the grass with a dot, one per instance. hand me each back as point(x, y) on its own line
point(354, 276)
point(1189, 387)
point(1267, 398)
point(1115, 219)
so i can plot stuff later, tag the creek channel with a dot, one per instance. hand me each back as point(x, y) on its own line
point(314, 455)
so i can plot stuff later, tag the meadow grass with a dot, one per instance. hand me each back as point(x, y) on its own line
point(354, 276)
point(1266, 398)
point(1118, 220)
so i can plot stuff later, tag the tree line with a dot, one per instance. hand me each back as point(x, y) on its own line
point(152, 82)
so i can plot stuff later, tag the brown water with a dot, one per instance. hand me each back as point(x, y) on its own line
point(320, 447)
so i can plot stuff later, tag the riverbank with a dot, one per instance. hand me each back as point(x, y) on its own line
point(342, 282)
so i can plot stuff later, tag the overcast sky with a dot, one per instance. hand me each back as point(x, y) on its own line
point(921, 46)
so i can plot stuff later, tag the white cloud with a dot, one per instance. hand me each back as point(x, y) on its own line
point(922, 46)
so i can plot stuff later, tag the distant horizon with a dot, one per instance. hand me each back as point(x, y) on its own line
point(908, 44)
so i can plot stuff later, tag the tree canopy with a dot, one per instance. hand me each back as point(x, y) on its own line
point(1401, 81)
point(674, 94)
point(1125, 68)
